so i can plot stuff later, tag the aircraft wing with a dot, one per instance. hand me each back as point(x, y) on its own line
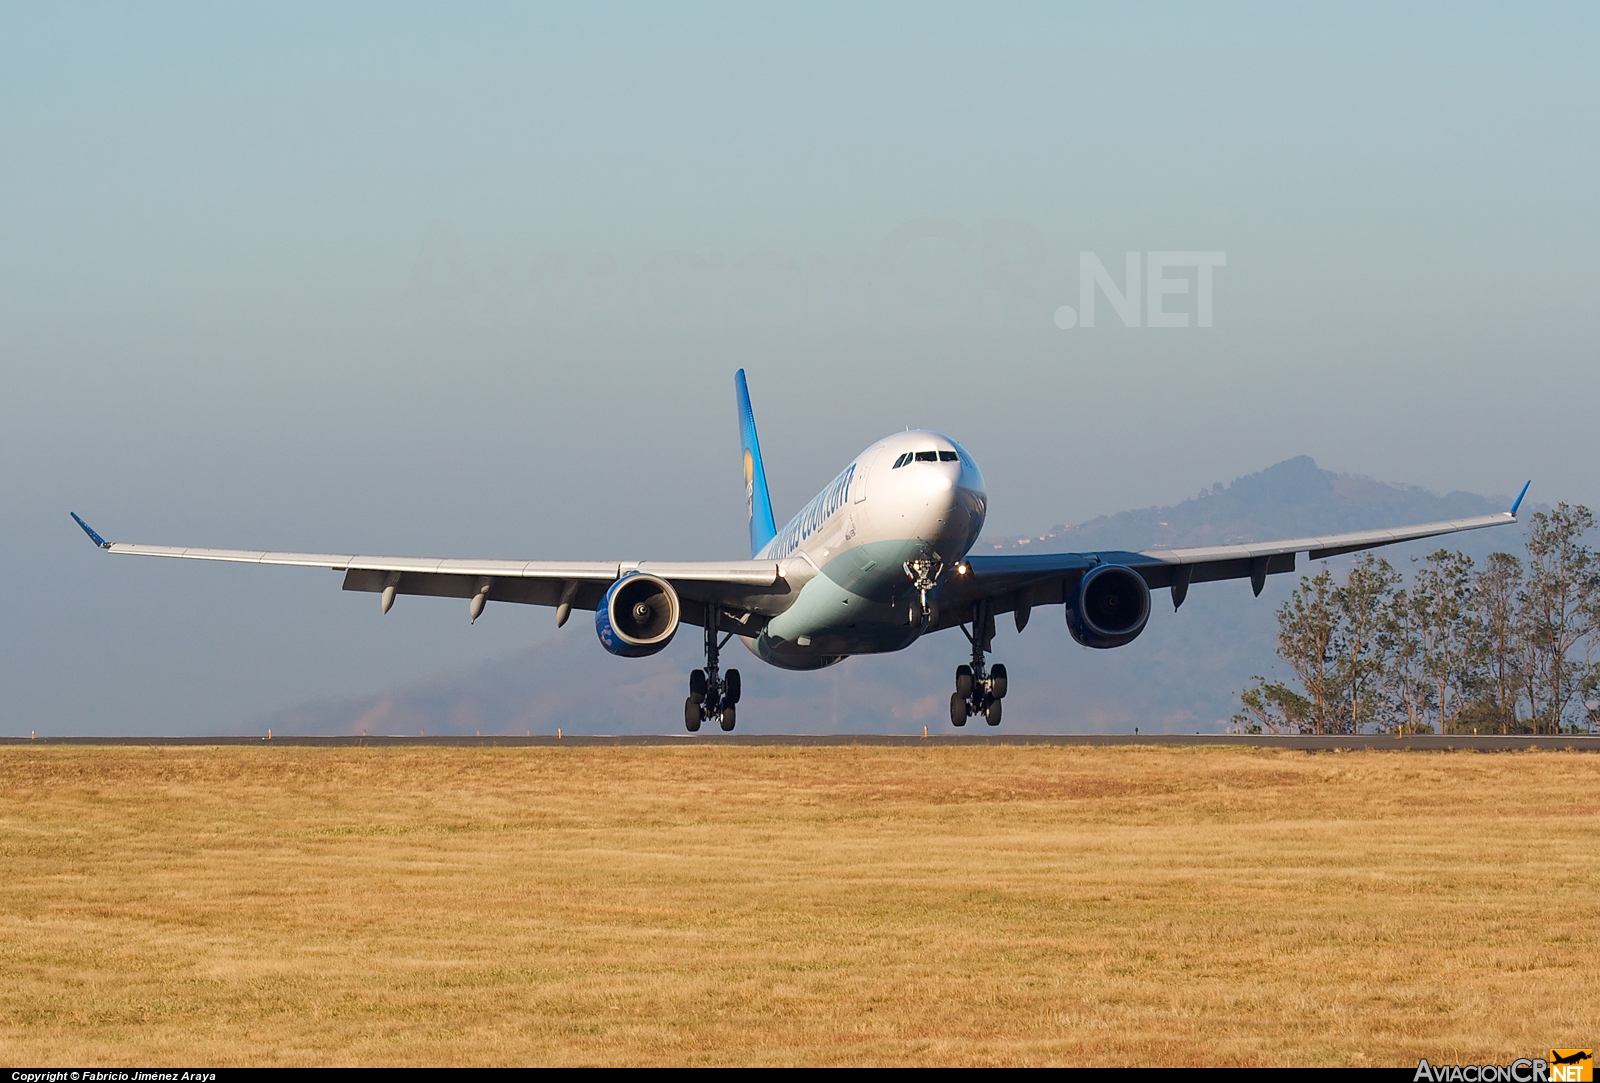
point(1017, 582)
point(744, 588)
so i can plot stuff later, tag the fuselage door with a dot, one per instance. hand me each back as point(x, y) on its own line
point(858, 484)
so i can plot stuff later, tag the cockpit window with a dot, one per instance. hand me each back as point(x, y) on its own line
point(925, 457)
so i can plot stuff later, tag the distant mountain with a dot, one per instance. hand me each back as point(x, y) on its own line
point(1290, 500)
point(1183, 674)
point(567, 681)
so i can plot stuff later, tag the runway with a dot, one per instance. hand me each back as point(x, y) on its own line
point(1303, 743)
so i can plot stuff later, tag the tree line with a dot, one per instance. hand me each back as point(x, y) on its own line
point(1509, 647)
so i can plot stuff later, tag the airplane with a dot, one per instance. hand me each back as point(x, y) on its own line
point(878, 559)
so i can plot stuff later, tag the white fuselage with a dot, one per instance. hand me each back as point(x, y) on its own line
point(847, 551)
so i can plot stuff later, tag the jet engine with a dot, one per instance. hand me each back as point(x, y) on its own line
point(638, 616)
point(1109, 607)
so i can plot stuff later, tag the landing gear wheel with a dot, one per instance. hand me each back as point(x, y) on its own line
point(712, 694)
point(979, 688)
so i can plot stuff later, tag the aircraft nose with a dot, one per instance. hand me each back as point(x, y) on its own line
point(939, 500)
point(935, 487)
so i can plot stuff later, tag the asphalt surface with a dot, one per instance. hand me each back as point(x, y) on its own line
point(1425, 743)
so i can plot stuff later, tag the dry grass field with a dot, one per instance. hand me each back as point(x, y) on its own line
point(820, 905)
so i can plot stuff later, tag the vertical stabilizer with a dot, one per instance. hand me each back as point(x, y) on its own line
point(757, 503)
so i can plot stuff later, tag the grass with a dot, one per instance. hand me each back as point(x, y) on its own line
point(821, 905)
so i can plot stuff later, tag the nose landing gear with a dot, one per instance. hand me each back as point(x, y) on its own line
point(924, 573)
point(978, 691)
point(710, 694)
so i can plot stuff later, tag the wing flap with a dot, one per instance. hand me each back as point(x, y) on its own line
point(585, 594)
point(739, 601)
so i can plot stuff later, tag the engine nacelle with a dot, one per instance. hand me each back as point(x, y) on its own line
point(638, 615)
point(1109, 608)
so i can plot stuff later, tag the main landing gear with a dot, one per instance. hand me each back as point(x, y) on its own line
point(977, 691)
point(710, 695)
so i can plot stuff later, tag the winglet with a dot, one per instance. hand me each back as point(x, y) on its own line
point(89, 530)
point(758, 504)
point(1517, 503)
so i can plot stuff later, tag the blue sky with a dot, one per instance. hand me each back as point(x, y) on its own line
point(473, 280)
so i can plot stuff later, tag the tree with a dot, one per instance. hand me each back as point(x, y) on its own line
point(1467, 647)
point(1362, 641)
point(1337, 641)
point(1495, 599)
point(1589, 688)
point(1557, 609)
point(1273, 706)
point(1449, 633)
point(1411, 696)
point(1307, 626)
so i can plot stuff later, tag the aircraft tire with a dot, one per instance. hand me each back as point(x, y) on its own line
point(992, 714)
point(958, 709)
point(697, 685)
point(997, 681)
point(727, 717)
point(963, 681)
point(691, 715)
point(731, 686)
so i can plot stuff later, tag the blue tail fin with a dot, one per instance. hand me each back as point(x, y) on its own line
point(757, 503)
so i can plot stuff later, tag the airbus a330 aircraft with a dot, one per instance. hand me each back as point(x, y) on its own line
point(875, 561)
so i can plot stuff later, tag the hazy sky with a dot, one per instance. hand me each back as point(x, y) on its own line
point(473, 280)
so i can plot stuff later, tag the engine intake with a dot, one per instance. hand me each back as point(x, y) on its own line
point(638, 616)
point(1109, 608)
